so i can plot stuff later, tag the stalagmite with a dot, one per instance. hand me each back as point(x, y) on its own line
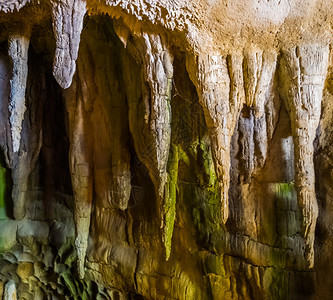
point(67, 18)
point(219, 83)
point(303, 74)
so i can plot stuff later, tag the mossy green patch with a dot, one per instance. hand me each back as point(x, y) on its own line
point(170, 199)
point(202, 197)
point(284, 190)
point(207, 165)
point(75, 287)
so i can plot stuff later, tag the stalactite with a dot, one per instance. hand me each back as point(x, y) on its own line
point(153, 146)
point(219, 83)
point(67, 26)
point(18, 46)
point(23, 162)
point(119, 99)
point(104, 99)
point(81, 173)
point(158, 73)
point(303, 74)
point(99, 160)
point(259, 69)
point(253, 141)
point(246, 140)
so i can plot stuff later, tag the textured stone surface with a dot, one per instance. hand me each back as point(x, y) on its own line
point(166, 149)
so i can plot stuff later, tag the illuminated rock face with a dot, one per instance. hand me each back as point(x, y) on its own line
point(166, 149)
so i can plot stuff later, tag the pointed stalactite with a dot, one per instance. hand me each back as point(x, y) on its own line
point(81, 172)
point(105, 100)
point(67, 16)
point(158, 73)
point(303, 73)
point(219, 82)
point(155, 108)
point(246, 142)
point(82, 184)
point(18, 46)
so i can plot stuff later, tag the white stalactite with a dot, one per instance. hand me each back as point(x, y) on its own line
point(219, 82)
point(18, 46)
point(303, 74)
point(158, 73)
point(81, 175)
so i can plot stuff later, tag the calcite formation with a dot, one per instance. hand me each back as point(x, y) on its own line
point(306, 68)
point(166, 149)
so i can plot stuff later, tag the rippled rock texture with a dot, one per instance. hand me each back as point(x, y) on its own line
point(166, 149)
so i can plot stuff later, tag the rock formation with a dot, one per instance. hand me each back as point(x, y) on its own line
point(166, 149)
